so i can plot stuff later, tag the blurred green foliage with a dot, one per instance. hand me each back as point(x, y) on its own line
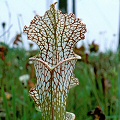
point(99, 85)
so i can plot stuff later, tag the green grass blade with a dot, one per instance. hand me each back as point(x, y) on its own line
point(14, 103)
point(119, 91)
point(6, 105)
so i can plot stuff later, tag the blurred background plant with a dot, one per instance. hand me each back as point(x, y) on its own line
point(97, 73)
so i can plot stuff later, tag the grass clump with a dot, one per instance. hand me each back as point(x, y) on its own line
point(99, 86)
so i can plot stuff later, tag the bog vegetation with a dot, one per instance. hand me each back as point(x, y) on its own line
point(97, 95)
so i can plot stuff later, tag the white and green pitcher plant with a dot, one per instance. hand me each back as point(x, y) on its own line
point(55, 34)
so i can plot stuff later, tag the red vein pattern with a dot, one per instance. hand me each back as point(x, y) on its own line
point(55, 34)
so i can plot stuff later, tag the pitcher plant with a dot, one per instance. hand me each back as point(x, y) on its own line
point(56, 35)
